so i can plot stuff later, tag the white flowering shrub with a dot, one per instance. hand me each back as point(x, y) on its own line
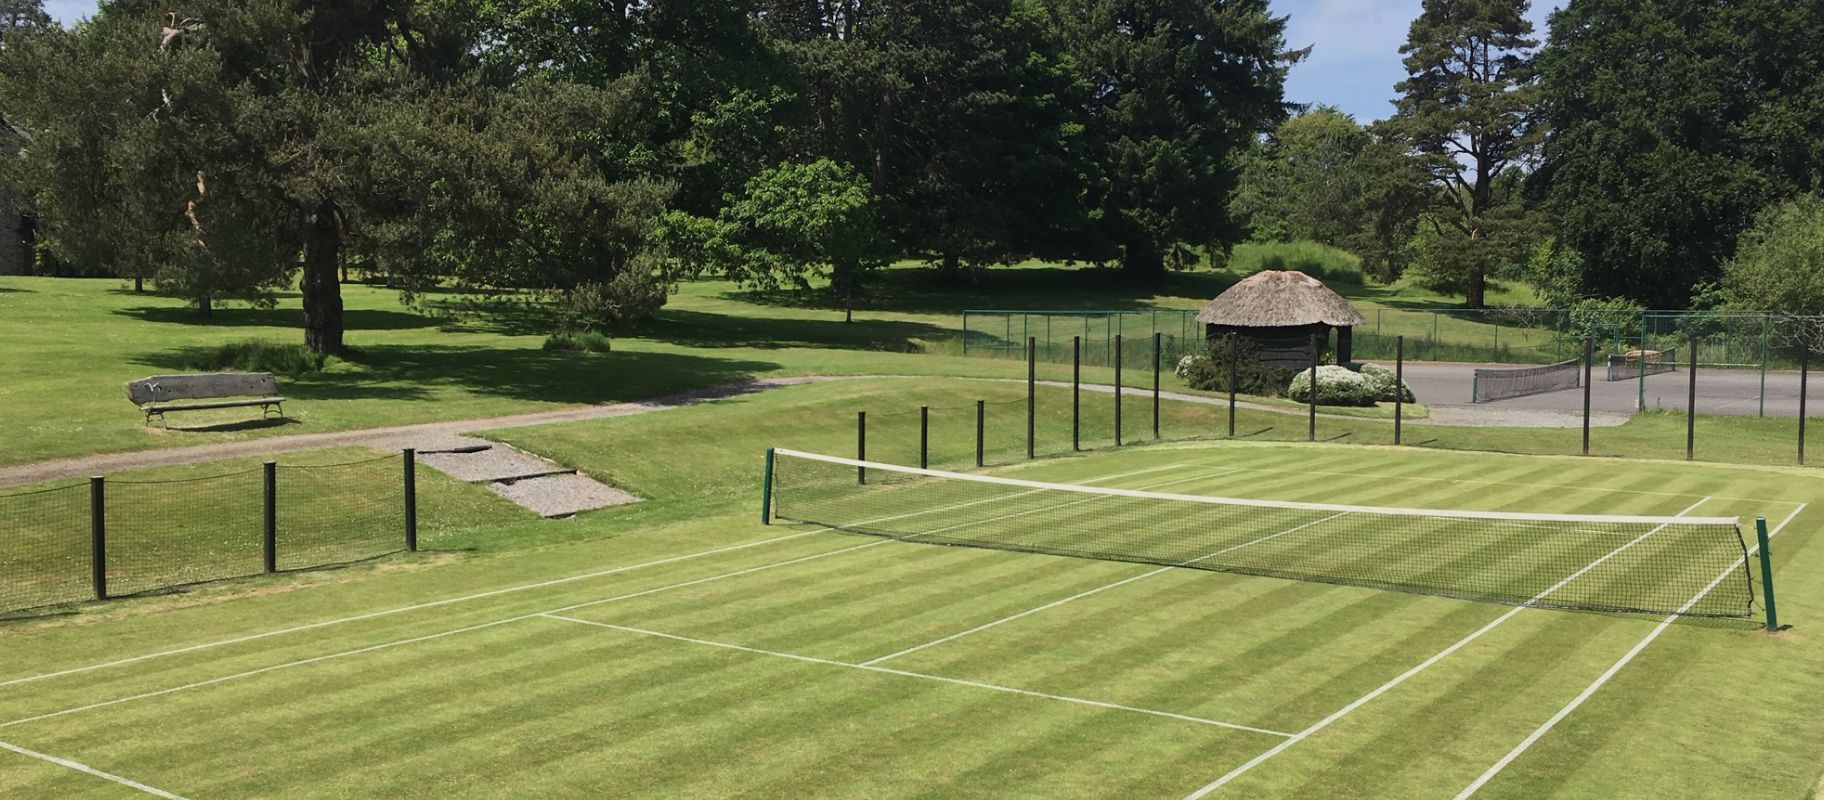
point(1336, 386)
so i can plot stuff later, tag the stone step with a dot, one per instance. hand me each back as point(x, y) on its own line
point(562, 494)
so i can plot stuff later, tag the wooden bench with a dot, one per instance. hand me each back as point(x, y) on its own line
point(157, 394)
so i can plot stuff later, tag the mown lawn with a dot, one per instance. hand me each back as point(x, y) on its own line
point(601, 666)
point(73, 344)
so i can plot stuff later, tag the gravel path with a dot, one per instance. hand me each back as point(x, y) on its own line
point(453, 433)
point(424, 436)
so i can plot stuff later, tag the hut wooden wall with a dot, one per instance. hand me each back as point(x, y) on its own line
point(1288, 347)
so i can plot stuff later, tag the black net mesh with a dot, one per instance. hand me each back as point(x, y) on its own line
point(1500, 383)
point(1615, 564)
point(339, 513)
point(168, 533)
point(44, 547)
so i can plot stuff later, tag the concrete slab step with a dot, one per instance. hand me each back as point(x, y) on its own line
point(561, 495)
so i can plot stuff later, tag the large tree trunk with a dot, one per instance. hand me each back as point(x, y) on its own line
point(1141, 259)
point(322, 292)
point(950, 267)
point(1476, 288)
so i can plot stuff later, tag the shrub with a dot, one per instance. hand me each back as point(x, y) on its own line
point(257, 355)
point(1211, 373)
point(1336, 386)
point(1384, 385)
point(583, 342)
point(631, 296)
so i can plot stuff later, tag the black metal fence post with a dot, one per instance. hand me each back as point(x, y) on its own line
point(1076, 394)
point(269, 541)
point(1691, 408)
point(98, 535)
point(1804, 376)
point(861, 446)
point(1589, 356)
point(1233, 358)
point(924, 437)
point(1032, 395)
point(1117, 390)
point(1158, 339)
point(411, 499)
point(981, 414)
point(1311, 436)
point(1399, 385)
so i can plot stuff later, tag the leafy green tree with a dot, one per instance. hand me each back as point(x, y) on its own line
point(788, 225)
point(1306, 180)
point(23, 15)
point(1466, 109)
point(1175, 90)
point(1673, 122)
point(1779, 263)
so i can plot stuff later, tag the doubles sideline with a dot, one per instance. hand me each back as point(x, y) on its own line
point(1603, 679)
point(562, 609)
point(1421, 667)
point(475, 596)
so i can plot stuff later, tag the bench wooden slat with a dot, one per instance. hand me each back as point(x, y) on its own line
point(159, 408)
point(165, 388)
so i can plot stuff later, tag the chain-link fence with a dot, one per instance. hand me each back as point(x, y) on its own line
point(117, 537)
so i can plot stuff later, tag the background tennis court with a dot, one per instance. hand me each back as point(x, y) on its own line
point(718, 657)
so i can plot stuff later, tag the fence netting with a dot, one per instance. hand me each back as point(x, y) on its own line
point(340, 513)
point(164, 533)
point(44, 546)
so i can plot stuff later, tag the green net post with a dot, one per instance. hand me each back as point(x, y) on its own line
point(1761, 536)
point(766, 490)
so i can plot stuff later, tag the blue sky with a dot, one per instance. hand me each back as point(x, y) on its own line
point(1354, 63)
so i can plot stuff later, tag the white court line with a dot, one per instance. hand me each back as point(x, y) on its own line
point(1507, 483)
point(523, 617)
point(924, 676)
point(1404, 676)
point(1540, 732)
point(1081, 595)
point(88, 770)
point(491, 593)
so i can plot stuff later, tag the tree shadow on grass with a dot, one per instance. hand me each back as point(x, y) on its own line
point(708, 330)
point(409, 372)
point(926, 291)
point(355, 319)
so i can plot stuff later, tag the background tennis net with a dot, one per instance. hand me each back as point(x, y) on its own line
point(1594, 562)
point(1636, 364)
point(1501, 383)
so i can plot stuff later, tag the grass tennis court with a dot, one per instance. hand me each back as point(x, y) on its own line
point(717, 657)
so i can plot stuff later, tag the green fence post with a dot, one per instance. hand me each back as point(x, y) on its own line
point(1232, 364)
point(98, 535)
point(269, 539)
point(861, 446)
point(1589, 355)
point(1076, 393)
point(1311, 436)
point(1804, 375)
point(1691, 408)
point(1763, 410)
point(965, 333)
point(411, 499)
point(1157, 341)
point(981, 413)
point(1399, 385)
point(1032, 396)
point(766, 491)
point(924, 437)
point(1117, 390)
point(1761, 536)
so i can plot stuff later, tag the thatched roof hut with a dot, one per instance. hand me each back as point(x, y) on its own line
point(1280, 312)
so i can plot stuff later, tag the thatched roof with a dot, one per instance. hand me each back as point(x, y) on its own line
point(1275, 299)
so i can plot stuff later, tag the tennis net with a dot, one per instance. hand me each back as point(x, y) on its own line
point(1627, 564)
point(1501, 383)
point(1636, 364)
